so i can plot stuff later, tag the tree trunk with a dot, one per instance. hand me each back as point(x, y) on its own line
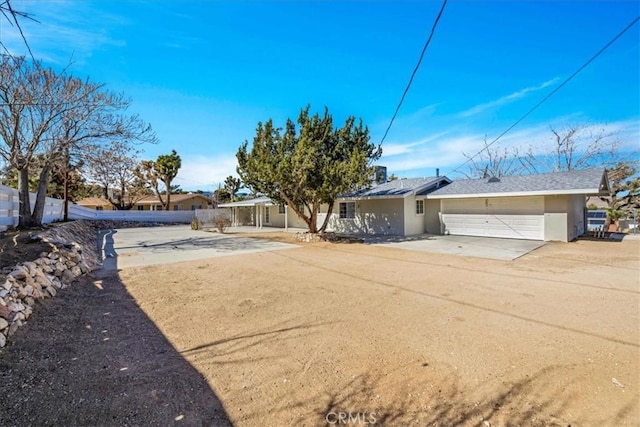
point(25, 220)
point(41, 196)
point(326, 219)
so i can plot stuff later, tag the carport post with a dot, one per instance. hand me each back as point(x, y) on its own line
point(286, 217)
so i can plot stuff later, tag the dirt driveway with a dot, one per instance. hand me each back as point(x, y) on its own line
point(308, 335)
point(339, 334)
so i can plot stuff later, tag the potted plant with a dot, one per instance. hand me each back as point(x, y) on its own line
point(613, 215)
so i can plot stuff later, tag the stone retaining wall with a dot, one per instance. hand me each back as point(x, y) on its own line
point(74, 252)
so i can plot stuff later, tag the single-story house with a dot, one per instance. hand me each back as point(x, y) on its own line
point(395, 207)
point(550, 206)
point(96, 203)
point(178, 202)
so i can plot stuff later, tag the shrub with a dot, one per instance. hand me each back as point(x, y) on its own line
point(221, 222)
point(195, 224)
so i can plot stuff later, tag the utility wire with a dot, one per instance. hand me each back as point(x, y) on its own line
point(415, 70)
point(550, 94)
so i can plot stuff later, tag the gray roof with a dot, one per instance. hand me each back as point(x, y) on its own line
point(399, 188)
point(586, 181)
point(262, 200)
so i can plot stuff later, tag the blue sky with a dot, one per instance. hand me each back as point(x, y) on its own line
point(203, 73)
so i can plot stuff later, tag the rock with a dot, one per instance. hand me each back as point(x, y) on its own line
point(76, 271)
point(18, 316)
point(31, 266)
point(84, 267)
point(613, 380)
point(68, 276)
point(60, 269)
point(13, 328)
point(3, 293)
point(3, 340)
point(29, 301)
point(52, 291)
point(16, 306)
point(54, 255)
point(3, 323)
point(19, 272)
point(7, 284)
point(42, 281)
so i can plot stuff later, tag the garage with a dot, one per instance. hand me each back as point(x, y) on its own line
point(509, 217)
point(549, 206)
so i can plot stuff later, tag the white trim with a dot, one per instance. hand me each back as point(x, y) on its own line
point(585, 191)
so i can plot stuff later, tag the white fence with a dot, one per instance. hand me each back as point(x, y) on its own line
point(206, 217)
point(54, 211)
point(10, 208)
point(80, 212)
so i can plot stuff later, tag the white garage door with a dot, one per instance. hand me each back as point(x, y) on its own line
point(508, 217)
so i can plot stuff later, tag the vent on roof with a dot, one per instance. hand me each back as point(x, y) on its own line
point(494, 179)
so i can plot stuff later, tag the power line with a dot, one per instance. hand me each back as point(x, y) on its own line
point(550, 94)
point(415, 70)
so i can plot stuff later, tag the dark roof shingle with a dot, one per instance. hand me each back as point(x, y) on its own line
point(571, 182)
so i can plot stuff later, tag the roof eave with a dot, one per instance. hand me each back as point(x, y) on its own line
point(585, 191)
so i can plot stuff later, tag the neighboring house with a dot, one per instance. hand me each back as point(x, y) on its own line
point(97, 203)
point(397, 207)
point(538, 207)
point(178, 202)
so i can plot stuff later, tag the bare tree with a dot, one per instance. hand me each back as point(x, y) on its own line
point(493, 161)
point(49, 115)
point(113, 168)
point(575, 147)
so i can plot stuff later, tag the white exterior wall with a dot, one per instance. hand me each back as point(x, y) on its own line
point(432, 223)
point(376, 216)
point(413, 223)
point(555, 218)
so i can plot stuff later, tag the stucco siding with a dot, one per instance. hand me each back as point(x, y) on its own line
point(381, 216)
point(413, 222)
point(555, 218)
point(432, 217)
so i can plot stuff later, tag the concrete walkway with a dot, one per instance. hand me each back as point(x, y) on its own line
point(137, 247)
point(482, 247)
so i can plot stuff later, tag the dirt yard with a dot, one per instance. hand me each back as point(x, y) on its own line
point(326, 334)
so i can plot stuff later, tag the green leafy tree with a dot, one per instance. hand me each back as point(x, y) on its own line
point(308, 165)
point(625, 191)
point(161, 171)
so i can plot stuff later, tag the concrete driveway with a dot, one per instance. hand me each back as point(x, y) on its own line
point(136, 247)
point(482, 247)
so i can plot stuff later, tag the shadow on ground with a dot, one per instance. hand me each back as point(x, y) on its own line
point(92, 357)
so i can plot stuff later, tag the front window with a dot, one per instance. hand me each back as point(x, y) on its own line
point(419, 207)
point(176, 207)
point(347, 210)
point(281, 209)
point(140, 207)
point(267, 217)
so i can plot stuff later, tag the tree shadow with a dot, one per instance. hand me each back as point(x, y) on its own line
point(428, 401)
point(91, 356)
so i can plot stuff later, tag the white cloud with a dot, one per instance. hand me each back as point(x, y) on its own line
point(506, 99)
point(445, 151)
point(205, 172)
point(65, 31)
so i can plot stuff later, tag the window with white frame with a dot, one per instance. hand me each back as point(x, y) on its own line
point(281, 209)
point(347, 210)
point(419, 207)
point(176, 207)
point(267, 217)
